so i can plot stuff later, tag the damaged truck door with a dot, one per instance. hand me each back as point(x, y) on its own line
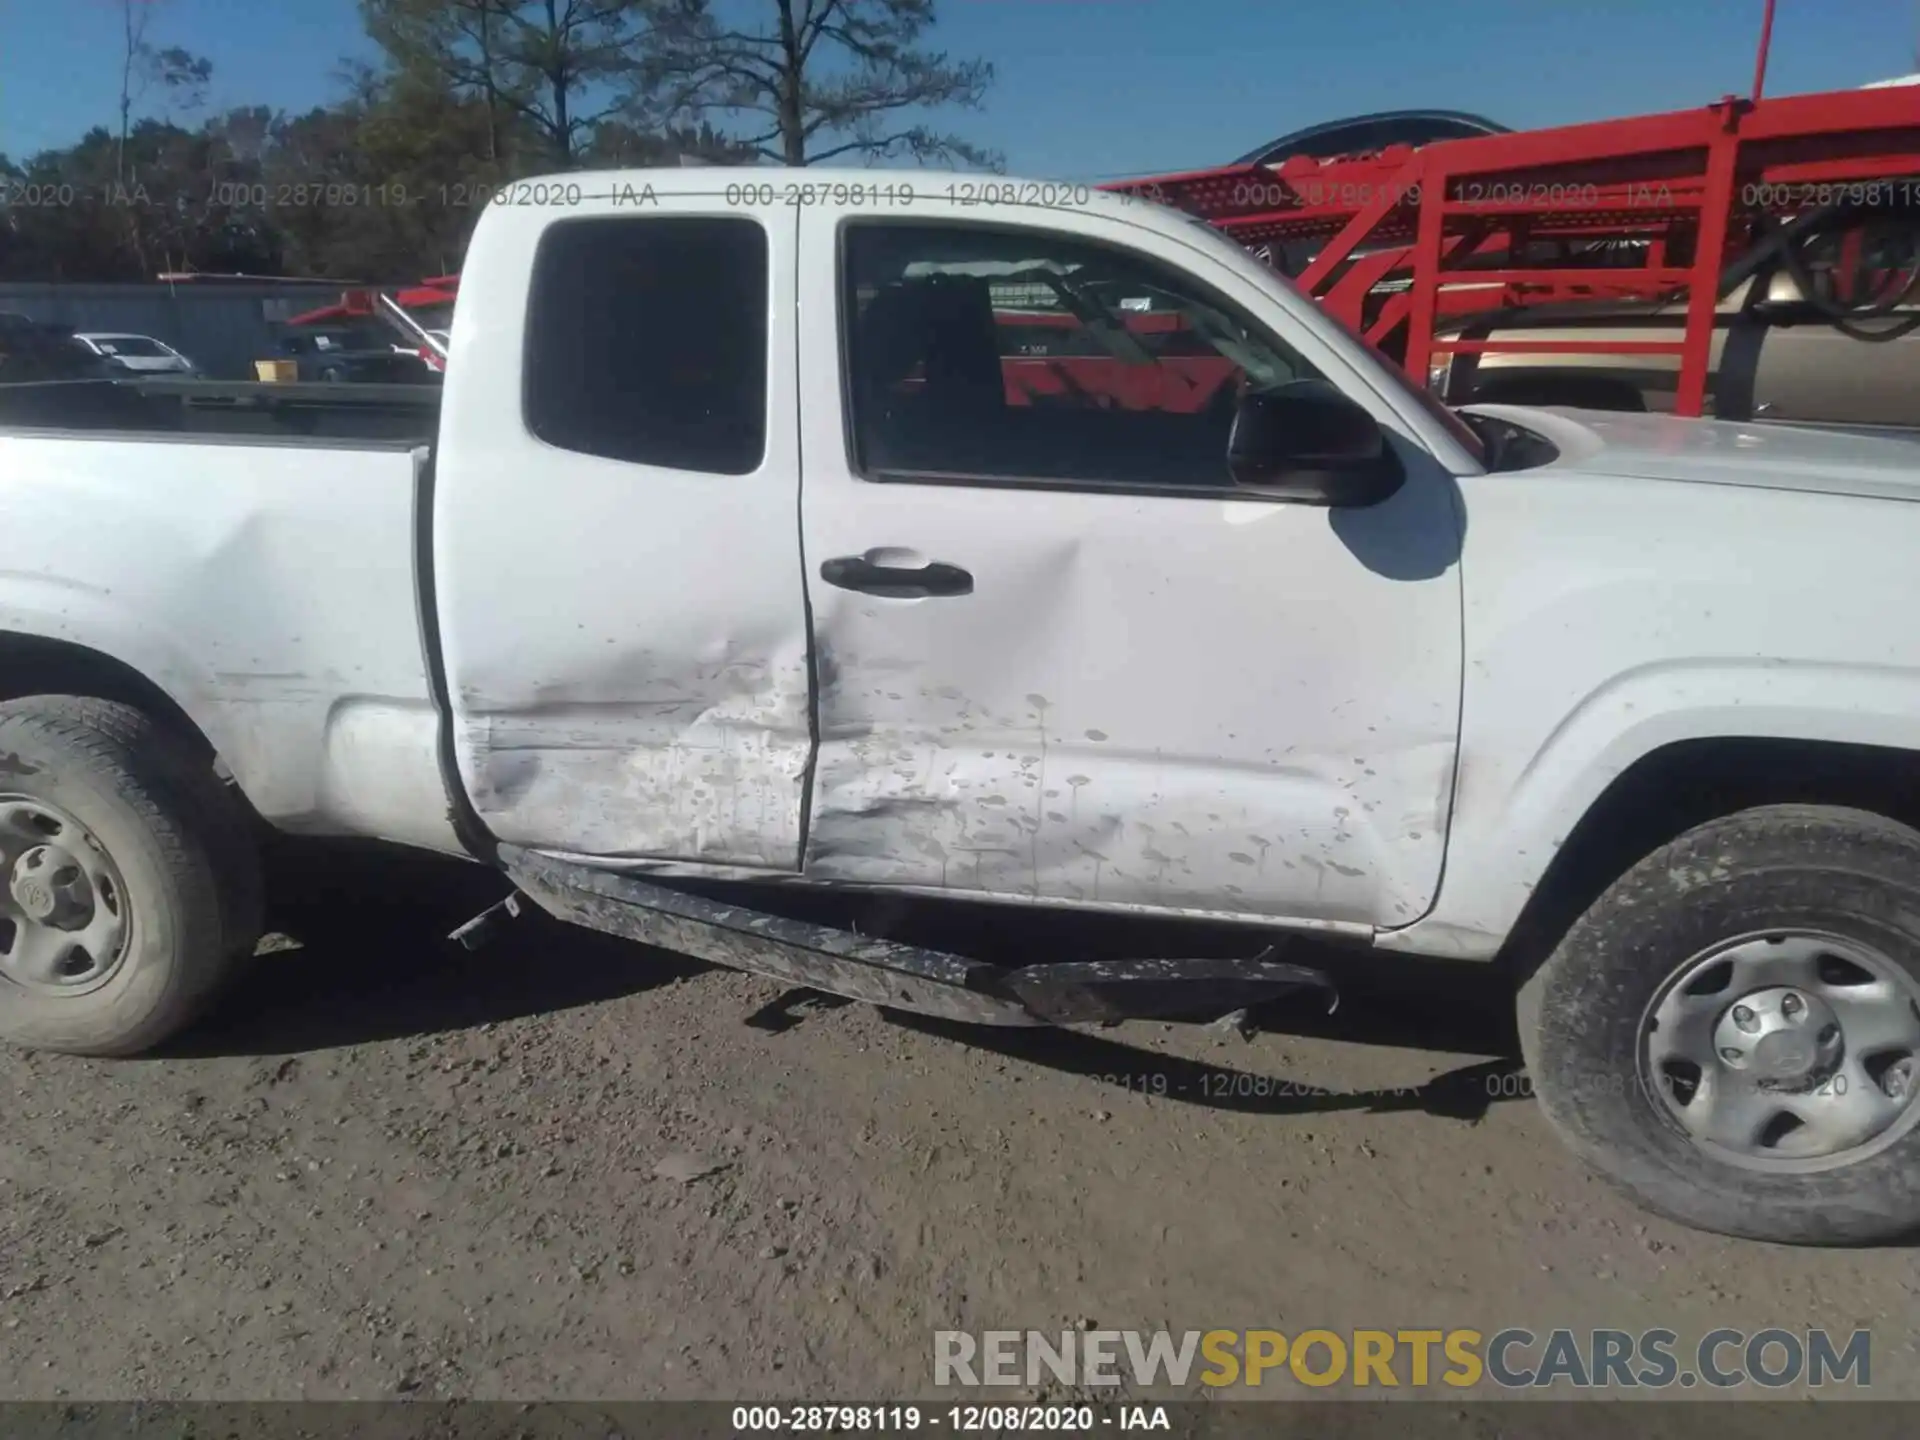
point(1056, 652)
point(626, 646)
point(1061, 657)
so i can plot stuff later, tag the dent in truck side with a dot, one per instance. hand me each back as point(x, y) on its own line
point(628, 643)
point(624, 624)
point(653, 706)
point(1158, 693)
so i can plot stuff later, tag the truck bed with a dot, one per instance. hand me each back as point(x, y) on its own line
point(265, 581)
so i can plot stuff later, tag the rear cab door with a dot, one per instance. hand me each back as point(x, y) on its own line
point(615, 546)
point(1060, 658)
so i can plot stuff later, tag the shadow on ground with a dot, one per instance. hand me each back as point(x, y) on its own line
point(1384, 1000)
point(374, 963)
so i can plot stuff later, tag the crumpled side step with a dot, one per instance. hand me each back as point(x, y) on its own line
point(886, 972)
point(1096, 991)
point(860, 967)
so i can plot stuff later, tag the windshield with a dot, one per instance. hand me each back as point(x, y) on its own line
point(135, 345)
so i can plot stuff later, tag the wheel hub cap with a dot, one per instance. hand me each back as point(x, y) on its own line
point(1792, 1050)
point(1779, 1038)
point(63, 919)
point(51, 889)
point(34, 898)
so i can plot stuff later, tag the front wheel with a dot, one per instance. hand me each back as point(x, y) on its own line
point(129, 888)
point(1732, 1031)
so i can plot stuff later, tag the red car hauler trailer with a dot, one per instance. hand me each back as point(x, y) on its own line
point(1646, 209)
point(429, 305)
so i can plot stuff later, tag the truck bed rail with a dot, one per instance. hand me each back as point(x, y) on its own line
point(174, 404)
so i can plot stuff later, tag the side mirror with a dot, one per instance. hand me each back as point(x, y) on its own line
point(1309, 443)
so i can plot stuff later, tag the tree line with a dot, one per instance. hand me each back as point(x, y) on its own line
point(467, 95)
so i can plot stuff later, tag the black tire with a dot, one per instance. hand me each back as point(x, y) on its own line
point(1847, 873)
point(190, 869)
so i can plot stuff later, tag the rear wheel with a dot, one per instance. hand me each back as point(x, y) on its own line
point(129, 886)
point(1732, 1032)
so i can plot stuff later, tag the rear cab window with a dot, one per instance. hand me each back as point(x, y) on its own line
point(646, 341)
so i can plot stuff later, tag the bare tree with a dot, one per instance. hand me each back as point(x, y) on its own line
point(560, 66)
point(182, 76)
point(134, 15)
point(815, 80)
point(454, 42)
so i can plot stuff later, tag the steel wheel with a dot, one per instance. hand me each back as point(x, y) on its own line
point(64, 916)
point(1729, 1031)
point(1789, 1051)
point(127, 886)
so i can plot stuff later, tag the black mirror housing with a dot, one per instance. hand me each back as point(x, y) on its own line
point(1308, 443)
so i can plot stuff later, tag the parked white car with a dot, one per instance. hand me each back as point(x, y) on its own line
point(762, 541)
point(141, 354)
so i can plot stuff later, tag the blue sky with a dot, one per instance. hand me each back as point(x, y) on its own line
point(1093, 88)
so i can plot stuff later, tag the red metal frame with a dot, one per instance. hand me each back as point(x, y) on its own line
point(1037, 373)
point(1694, 185)
point(358, 302)
point(1760, 60)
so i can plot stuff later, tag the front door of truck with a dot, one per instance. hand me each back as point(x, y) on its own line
point(620, 596)
point(1060, 658)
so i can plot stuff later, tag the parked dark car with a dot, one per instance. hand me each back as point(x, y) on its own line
point(1365, 134)
point(346, 355)
point(32, 350)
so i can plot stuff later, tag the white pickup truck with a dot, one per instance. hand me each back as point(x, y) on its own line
point(1010, 543)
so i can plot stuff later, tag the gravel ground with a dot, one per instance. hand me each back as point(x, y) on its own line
point(566, 1168)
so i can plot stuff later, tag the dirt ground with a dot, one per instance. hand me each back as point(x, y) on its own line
point(566, 1168)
